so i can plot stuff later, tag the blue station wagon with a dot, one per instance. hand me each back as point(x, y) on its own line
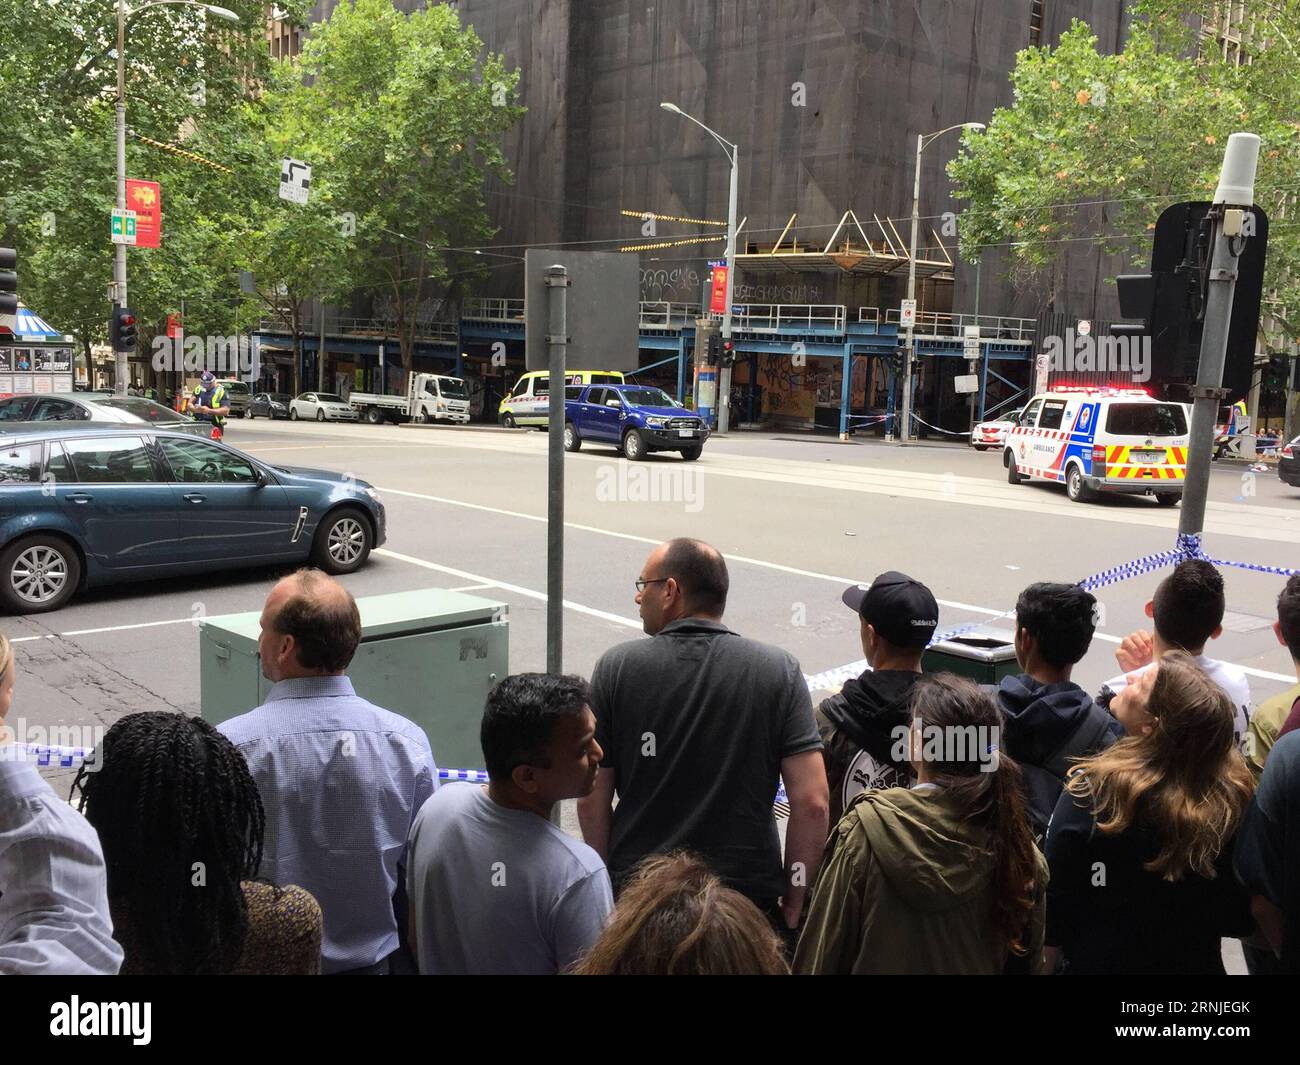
point(84, 505)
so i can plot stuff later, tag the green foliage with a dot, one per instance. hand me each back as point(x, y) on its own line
point(1100, 144)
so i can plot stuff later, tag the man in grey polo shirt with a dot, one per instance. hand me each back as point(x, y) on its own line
point(696, 724)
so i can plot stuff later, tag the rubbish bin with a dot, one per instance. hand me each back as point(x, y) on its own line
point(429, 655)
point(984, 657)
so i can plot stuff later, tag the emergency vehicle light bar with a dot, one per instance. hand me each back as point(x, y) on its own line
point(1102, 391)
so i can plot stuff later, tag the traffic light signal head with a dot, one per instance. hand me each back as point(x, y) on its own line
point(728, 353)
point(714, 351)
point(122, 329)
point(8, 281)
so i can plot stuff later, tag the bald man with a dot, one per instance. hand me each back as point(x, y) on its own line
point(341, 779)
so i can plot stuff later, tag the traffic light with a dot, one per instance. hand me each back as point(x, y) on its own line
point(1276, 375)
point(714, 350)
point(8, 281)
point(122, 329)
point(1170, 300)
point(728, 353)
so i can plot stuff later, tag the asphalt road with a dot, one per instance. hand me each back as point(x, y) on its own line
point(797, 518)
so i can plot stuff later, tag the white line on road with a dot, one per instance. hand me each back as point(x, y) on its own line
point(105, 628)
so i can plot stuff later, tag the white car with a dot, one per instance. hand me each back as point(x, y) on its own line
point(993, 433)
point(322, 406)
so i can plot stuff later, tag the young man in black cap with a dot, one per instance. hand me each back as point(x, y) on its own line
point(898, 617)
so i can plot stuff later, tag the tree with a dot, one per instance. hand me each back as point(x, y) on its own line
point(1106, 142)
point(400, 116)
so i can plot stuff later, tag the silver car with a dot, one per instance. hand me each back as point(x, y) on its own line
point(94, 407)
point(321, 407)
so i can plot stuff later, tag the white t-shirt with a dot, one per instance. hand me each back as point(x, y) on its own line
point(1228, 677)
point(498, 891)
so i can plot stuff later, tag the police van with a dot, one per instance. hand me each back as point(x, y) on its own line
point(1098, 440)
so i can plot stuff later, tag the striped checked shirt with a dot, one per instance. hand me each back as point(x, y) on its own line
point(341, 780)
point(54, 917)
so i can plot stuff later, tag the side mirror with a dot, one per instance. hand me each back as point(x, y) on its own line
point(616, 404)
point(263, 478)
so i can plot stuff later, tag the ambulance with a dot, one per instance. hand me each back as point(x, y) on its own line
point(1101, 440)
point(529, 401)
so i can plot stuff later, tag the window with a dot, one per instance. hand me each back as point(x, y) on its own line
point(521, 386)
point(1053, 412)
point(12, 410)
point(198, 462)
point(58, 410)
point(573, 392)
point(1035, 23)
point(58, 465)
point(541, 387)
point(606, 379)
point(145, 409)
point(1030, 413)
point(116, 460)
point(1146, 419)
point(328, 397)
point(596, 396)
point(453, 388)
point(20, 464)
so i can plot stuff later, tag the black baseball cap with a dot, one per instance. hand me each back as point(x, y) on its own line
point(900, 609)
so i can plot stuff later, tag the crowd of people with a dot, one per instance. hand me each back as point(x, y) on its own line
point(935, 825)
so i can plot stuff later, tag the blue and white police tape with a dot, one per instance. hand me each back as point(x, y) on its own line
point(946, 432)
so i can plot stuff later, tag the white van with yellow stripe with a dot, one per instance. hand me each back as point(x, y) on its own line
point(1097, 440)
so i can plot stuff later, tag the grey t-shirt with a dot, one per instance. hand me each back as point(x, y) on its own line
point(498, 891)
point(695, 722)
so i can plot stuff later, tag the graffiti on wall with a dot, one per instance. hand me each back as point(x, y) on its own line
point(790, 293)
point(680, 285)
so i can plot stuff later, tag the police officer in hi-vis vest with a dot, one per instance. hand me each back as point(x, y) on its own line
point(209, 403)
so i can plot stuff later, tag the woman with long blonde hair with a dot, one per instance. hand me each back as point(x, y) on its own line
point(1140, 844)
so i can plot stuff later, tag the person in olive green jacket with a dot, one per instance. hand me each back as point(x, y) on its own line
point(1268, 718)
point(943, 877)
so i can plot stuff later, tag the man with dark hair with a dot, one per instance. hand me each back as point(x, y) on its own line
point(341, 779)
point(1268, 719)
point(495, 887)
point(897, 617)
point(1049, 720)
point(697, 724)
point(1187, 611)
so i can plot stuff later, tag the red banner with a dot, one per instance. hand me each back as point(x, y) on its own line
point(718, 296)
point(173, 325)
point(145, 199)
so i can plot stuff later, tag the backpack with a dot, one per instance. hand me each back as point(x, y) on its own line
point(1044, 783)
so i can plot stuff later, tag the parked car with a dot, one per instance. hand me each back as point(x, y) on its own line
point(237, 395)
point(1288, 463)
point(97, 407)
point(993, 433)
point(634, 418)
point(270, 405)
point(84, 505)
point(322, 406)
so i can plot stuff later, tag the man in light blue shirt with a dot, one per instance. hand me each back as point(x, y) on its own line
point(495, 887)
point(341, 779)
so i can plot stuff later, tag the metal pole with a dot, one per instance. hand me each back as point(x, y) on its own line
point(557, 336)
point(121, 366)
point(724, 386)
point(1248, 449)
point(1236, 182)
point(905, 429)
point(320, 351)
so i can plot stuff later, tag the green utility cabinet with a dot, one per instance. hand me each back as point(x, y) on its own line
point(984, 657)
point(430, 655)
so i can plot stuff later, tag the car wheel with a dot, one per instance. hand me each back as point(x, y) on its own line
point(320, 415)
point(1013, 474)
point(634, 445)
point(690, 454)
point(1168, 499)
point(293, 414)
point(40, 573)
point(980, 447)
point(374, 416)
point(343, 541)
point(251, 415)
point(508, 420)
point(1074, 486)
point(572, 441)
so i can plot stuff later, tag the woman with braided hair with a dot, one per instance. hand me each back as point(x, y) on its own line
point(181, 825)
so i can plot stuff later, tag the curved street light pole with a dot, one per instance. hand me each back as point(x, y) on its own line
point(121, 369)
point(922, 139)
point(733, 156)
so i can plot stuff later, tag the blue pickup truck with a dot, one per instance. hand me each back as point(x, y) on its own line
point(634, 418)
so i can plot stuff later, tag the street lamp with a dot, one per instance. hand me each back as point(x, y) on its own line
point(733, 156)
point(922, 139)
point(121, 369)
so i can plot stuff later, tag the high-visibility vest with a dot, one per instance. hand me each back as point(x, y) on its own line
point(218, 396)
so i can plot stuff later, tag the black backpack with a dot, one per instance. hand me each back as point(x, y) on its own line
point(1044, 783)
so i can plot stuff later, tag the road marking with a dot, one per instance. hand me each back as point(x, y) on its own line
point(471, 587)
point(105, 628)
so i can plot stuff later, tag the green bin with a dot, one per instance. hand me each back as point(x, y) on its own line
point(984, 657)
point(430, 655)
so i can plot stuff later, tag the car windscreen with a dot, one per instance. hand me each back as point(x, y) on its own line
point(146, 409)
point(328, 397)
point(1146, 419)
point(648, 397)
point(280, 397)
point(451, 388)
point(237, 387)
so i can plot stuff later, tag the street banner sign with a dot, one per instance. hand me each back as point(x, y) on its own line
point(122, 226)
point(145, 199)
point(295, 180)
point(718, 294)
point(173, 325)
point(907, 314)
